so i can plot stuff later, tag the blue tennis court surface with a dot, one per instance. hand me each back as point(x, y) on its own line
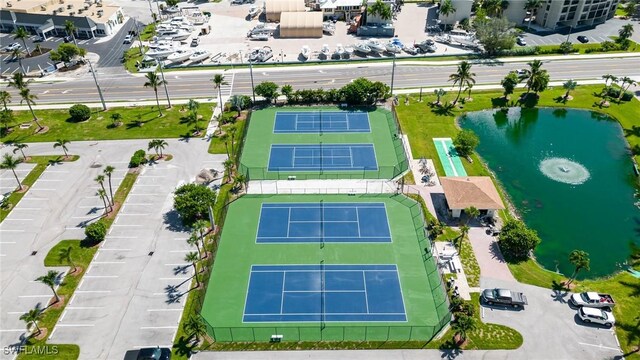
point(330, 293)
point(323, 222)
point(336, 157)
point(321, 121)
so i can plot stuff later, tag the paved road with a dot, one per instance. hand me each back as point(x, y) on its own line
point(118, 87)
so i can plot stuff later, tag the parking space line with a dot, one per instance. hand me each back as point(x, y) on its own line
point(86, 217)
point(84, 307)
point(25, 209)
point(7, 242)
point(180, 251)
point(19, 312)
point(185, 264)
point(7, 219)
point(148, 185)
point(134, 214)
point(35, 296)
point(114, 249)
point(93, 291)
point(75, 325)
point(139, 204)
point(174, 278)
point(152, 346)
point(122, 237)
point(154, 310)
point(12, 230)
point(101, 276)
point(12, 330)
point(599, 346)
point(108, 262)
point(133, 225)
point(158, 327)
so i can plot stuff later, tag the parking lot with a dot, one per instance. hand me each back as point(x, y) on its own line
point(597, 34)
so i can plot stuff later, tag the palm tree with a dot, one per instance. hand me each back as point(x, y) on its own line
point(103, 197)
point(153, 81)
point(240, 179)
point(228, 166)
point(100, 180)
point(192, 257)
point(65, 254)
point(157, 145)
point(51, 280)
point(193, 106)
point(116, 118)
point(232, 133)
point(447, 8)
point(472, 213)
point(62, 143)
point(237, 102)
point(625, 32)
point(18, 146)
point(218, 81)
point(532, 6)
point(201, 227)
point(607, 78)
point(579, 259)
point(509, 84)
point(464, 231)
point(462, 77)
point(193, 240)
point(17, 54)
point(224, 138)
point(494, 7)
point(623, 89)
point(192, 119)
point(194, 327)
point(32, 317)
point(11, 163)
point(108, 171)
point(537, 78)
point(29, 99)
point(18, 81)
point(70, 28)
point(38, 48)
point(20, 33)
point(439, 93)
point(569, 85)
point(462, 325)
point(381, 9)
point(5, 98)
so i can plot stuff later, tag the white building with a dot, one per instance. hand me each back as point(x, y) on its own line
point(340, 9)
point(462, 11)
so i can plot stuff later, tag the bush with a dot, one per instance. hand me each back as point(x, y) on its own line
point(96, 232)
point(516, 240)
point(79, 112)
point(615, 92)
point(192, 202)
point(465, 142)
point(138, 158)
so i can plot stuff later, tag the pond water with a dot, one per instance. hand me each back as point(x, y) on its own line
point(569, 174)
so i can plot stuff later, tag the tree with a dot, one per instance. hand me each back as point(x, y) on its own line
point(218, 81)
point(495, 34)
point(569, 85)
point(201, 226)
point(237, 102)
point(154, 81)
point(462, 325)
point(625, 32)
point(268, 90)
point(6, 118)
point(537, 78)
point(70, 29)
point(194, 327)
point(29, 99)
point(240, 179)
point(509, 84)
point(607, 85)
point(363, 91)
point(104, 197)
point(466, 141)
point(32, 317)
point(623, 89)
point(17, 55)
point(192, 119)
point(495, 7)
point(193, 240)
point(172, 2)
point(228, 167)
point(62, 143)
point(100, 180)
point(447, 8)
point(66, 52)
point(20, 33)
point(38, 48)
point(193, 107)
point(566, 47)
point(51, 280)
point(192, 257)
point(79, 112)
point(192, 202)
point(462, 77)
point(18, 81)
point(18, 146)
point(116, 119)
point(11, 163)
point(157, 145)
point(232, 134)
point(472, 212)
point(380, 9)
point(5, 98)
point(225, 139)
point(516, 240)
point(96, 232)
point(579, 259)
point(108, 171)
point(287, 91)
point(439, 94)
point(532, 6)
point(464, 231)
point(66, 255)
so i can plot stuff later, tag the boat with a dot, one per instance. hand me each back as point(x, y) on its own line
point(160, 52)
point(305, 52)
point(375, 45)
point(427, 46)
point(348, 50)
point(180, 35)
point(265, 54)
point(410, 49)
point(180, 55)
point(148, 64)
point(172, 9)
point(393, 47)
point(199, 55)
point(328, 27)
point(157, 42)
point(339, 51)
point(260, 37)
point(253, 55)
point(325, 50)
point(362, 48)
point(167, 31)
point(254, 11)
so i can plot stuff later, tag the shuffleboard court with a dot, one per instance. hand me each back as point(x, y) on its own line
point(328, 293)
point(449, 157)
point(333, 157)
point(288, 122)
point(323, 222)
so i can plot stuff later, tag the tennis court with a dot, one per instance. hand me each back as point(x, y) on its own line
point(329, 293)
point(334, 157)
point(449, 157)
point(288, 122)
point(323, 222)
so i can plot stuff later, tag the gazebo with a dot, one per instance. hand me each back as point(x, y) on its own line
point(463, 192)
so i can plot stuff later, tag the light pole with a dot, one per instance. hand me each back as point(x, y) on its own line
point(393, 72)
point(164, 83)
point(135, 22)
point(253, 92)
point(569, 34)
point(95, 79)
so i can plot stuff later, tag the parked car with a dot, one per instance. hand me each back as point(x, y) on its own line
point(195, 41)
point(583, 39)
point(520, 72)
point(593, 299)
point(596, 316)
point(156, 353)
point(128, 39)
point(504, 297)
point(521, 41)
point(12, 47)
point(68, 39)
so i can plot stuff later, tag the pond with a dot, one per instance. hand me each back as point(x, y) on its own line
point(569, 174)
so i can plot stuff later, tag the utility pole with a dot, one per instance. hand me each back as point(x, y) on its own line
point(569, 34)
point(150, 9)
point(253, 92)
point(393, 72)
point(95, 79)
point(164, 82)
point(135, 22)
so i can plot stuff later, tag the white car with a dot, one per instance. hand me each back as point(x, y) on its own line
point(128, 39)
point(596, 316)
point(12, 47)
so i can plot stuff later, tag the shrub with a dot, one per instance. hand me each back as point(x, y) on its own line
point(465, 142)
point(138, 158)
point(79, 112)
point(615, 92)
point(96, 232)
point(192, 202)
point(516, 240)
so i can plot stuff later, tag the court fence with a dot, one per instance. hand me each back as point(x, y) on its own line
point(325, 187)
point(383, 172)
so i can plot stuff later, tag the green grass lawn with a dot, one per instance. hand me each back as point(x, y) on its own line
point(50, 352)
point(148, 32)
point(41, 165)
point(582, 48)
point(486, 336)
point(470, 263)
point(99, 126)
point(217, 146)
point(132, 56)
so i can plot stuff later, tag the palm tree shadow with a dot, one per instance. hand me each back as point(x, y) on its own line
point(450, 350)
point(180, 269)
point(183, 346)
point(443, 110)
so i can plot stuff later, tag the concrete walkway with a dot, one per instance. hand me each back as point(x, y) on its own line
point(490, 259)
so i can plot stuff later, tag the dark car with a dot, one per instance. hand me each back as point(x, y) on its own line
point(68, 39)
point(156, 353)
point(583, 39)
point(503, 297)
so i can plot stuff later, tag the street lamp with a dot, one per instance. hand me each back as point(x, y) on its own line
point(393, 72)
point(95, 79)
point(253, 92)
point(164, 82)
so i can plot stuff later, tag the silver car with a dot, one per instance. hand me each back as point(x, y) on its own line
point(597, 316)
